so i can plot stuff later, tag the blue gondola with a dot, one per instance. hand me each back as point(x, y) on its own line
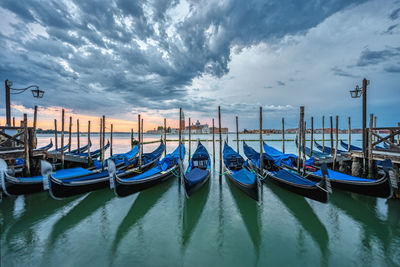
point(327, 149)
point(381, 187)
point(97, 178)
point(198, 171)
point(238, 174)
point(130, 181)
point(283, 177)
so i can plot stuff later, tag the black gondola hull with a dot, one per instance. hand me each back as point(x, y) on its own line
point(376, 188)
point(312, 192)
point(190, 190)
point(250, 189)
point(125, 188)
point(59, 189)
point(23, 188)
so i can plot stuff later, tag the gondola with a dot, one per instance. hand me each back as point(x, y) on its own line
point(284, 178)
point(82, 149)
point(94, 154)
point(89, 180)
point(59, 149)
point(356, 148)
point(381, 187)
point(198, 171)
point(316, 154)
point(327, 149)
point(129, 181)
point(238, 174)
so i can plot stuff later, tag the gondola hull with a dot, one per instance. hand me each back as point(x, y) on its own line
point(22, 188)
point(191, 189)
point(100, 180)
point(376, 188)
point(250, 189)
point(312, 192)
point(124, 188)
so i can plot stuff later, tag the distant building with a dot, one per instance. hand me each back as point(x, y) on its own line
point(198, 128)
point(216, 130)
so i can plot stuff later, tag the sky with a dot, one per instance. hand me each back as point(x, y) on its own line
point(119, 58)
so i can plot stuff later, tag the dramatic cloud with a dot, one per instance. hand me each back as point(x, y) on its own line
point(120, 57)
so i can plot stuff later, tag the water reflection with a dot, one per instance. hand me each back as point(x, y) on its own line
point(89, 205)
point(192, 210)
point(37, 208)
point(362, 209)
point(249, 211)
point(305, 216)
point(142, 204)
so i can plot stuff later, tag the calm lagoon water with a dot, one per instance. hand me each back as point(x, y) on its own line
point(218, 226)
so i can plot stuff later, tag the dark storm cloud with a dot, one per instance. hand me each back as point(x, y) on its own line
point(339, 72)
point(369, 57)
point(393, 69)
point(119, 54)
point(395, 14)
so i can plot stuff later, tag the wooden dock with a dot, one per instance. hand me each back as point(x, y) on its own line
point(379, 155)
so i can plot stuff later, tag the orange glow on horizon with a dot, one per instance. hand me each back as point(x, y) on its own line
point(46, 116)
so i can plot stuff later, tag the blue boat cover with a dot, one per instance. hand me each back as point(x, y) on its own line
point(235, 162)
point(60, 174)
point(167, 162)
point(195, 174)
point(341, 176)
point(287, 159)
point(244, 176)
point(254, 156)
point(315, 153)
point(293, 178)
point(327, 149)
point(119, 158)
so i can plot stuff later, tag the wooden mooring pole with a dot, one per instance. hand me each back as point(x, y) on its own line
point(13, 122)
point(111, 140)
point(180, 136)
point(349, 144)
point(300, 137)
point(34, 127)
point(323, 134)
point(398, 136)
point(331, 133)
point(132, 138)
point(220, 143)
point(26, 147)
point(190, 138)
point(370, 159)
point(312, 136)
point(103, 142)
point(283, 135)
point(55, 134)
point(261, 145)
point(88, 141)
point(303, 144)
point(62, 138)
point(78, 139)
point(141, 137)
point(374, 127)
point(70, 134)
point(237, 134)
point(336, 144)
point(213, 140)
point(140, 143)
point(165, 136)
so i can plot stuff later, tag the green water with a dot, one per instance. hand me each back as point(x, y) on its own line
point(218, 226)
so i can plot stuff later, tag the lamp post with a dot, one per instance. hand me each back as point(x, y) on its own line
point(36, 92)
point(356, 93)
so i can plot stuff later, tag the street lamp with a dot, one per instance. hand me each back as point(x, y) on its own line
point(36, 92)
point(356, 93)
